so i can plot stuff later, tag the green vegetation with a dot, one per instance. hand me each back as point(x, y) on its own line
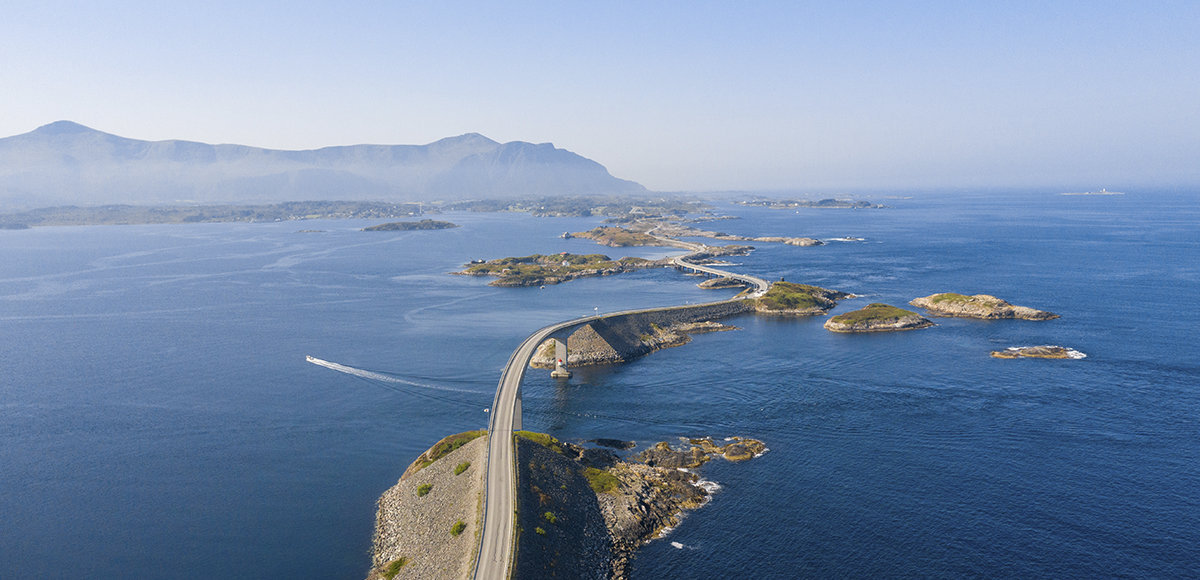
point(278, 212)
point(423, 489)
point(393, 567)
point(540, 531)
point(873, 312)
point(461, 467)
point(600, 480)
point(409, 226)
point(543, 439)
point(792, 296)
point(445, 446)
point(550, 517)
point(457, 528)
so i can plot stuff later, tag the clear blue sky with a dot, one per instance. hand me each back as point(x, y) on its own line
point(677, 96)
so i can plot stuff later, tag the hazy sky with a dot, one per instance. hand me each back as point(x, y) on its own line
point(677, 96)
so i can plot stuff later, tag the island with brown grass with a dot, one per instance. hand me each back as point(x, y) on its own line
point(877, 317)
point(983, 306)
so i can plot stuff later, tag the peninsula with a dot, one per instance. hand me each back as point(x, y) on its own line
point(982, 306)
point(877, 317)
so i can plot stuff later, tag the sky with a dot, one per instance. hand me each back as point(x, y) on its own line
point(678, 96)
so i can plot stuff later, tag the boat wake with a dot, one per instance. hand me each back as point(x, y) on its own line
point(372, 375)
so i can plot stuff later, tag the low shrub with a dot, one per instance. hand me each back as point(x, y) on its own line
point(424, 489)
point(457, 528)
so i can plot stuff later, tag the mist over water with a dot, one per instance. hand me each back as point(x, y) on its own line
point(158, 415)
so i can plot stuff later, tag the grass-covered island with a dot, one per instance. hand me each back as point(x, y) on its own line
point(540, 269)
point(1044, 351)
point(791, 299)
point(425, 224)
point(982, 306)
point(877, 317)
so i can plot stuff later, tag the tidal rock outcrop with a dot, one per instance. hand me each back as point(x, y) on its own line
point(982, 306)
point(877, 318)
point(1043, 351)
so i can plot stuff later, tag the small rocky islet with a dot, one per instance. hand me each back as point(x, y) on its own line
point(1042, 351)
point(877, 317)
point(982, 306)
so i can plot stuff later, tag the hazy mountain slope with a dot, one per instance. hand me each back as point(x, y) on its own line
point(67, 163)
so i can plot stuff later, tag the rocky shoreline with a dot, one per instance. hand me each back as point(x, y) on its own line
point(585, 511)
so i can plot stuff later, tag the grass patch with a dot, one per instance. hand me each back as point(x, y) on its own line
point(461, 467)
point(423, 489)
point(445, 446)
point(394, 567)
point(792, 296)
point(600, 480)
point(543, 439)
point(951, 297)
point(550, 517)
point(457, 528)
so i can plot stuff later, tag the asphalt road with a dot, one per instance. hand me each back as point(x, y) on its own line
point(494, 560)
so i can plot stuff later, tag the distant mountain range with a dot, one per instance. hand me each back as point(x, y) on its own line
point(65, 163)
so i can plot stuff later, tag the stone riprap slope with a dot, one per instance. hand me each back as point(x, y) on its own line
point(982, 306)
point(417, 528)
point(622, 338)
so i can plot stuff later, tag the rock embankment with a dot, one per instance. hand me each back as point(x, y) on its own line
point(567, 491)
point(877, 318)
point(982, 306)
point(622, 338)
point(417, 517)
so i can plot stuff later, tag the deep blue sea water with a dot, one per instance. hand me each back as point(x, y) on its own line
point(158, 418)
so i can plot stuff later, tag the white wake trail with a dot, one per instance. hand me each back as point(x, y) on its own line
point(380, 377)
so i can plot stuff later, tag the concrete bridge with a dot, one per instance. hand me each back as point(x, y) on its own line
point(494, 560)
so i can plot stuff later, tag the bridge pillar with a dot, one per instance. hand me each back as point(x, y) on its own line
point(560, 361)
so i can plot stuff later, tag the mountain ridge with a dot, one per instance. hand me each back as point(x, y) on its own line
point(69, 163)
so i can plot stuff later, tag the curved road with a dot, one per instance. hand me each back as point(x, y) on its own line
point(496, 542)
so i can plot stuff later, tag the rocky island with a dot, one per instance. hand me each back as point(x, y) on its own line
point(982, 306)
point(539, 269)
point(791, 299)
point(425, 224)
point(877, 318)
point(1044, 351)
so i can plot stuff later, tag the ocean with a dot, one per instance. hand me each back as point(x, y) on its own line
point(158, 417)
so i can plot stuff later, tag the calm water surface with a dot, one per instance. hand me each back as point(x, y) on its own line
point(157, 415)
